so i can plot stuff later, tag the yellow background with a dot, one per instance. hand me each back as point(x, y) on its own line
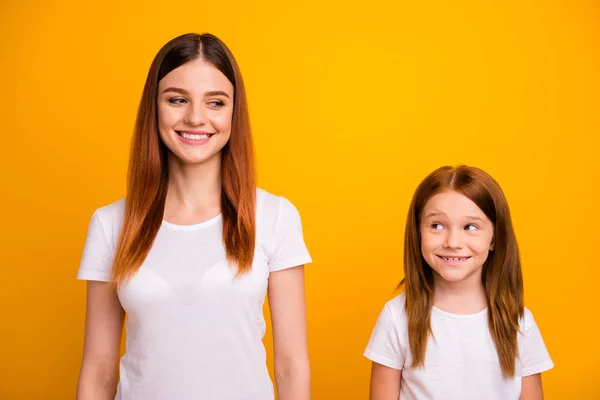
point(352, 104)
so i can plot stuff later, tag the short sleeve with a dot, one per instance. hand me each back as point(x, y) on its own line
point(97, 258)
point(288, 248)
point(534, 357)
point(384, 346)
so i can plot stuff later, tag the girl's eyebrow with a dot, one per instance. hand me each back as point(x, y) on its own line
point(439, 213)
point(473, 217)
point(434, 214)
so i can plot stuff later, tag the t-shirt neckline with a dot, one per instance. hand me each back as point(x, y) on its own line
point(200, 225)
point(461, 316)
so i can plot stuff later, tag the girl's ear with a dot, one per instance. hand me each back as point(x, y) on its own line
point(492, 245)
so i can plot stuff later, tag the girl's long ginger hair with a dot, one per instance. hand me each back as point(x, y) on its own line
point(148, 169)
point(501, 275)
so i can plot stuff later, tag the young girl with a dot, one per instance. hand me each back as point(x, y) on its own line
point(459, 330)
point(193, 249)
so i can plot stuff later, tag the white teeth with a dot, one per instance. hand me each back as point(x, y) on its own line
point(454, 258)
point(194, 137)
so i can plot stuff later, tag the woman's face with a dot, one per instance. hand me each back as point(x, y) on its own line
point(195, 109)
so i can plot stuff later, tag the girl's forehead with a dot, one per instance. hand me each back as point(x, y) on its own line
point(451, 204)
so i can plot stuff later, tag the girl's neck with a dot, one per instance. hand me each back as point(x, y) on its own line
point(464, 297)
point(194, 192)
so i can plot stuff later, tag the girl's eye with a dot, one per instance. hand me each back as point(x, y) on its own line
point(177, 100)
point(437, 226)
point(471, 227)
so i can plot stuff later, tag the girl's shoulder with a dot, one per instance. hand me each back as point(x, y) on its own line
point(396, 309)
point(527, 321)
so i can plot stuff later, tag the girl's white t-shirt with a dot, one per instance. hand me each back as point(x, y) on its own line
point(194, 330)
point(461, 361)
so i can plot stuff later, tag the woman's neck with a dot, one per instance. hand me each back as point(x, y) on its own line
point(194, 192)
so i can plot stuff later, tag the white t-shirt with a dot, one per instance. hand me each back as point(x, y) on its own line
point(194, 331)
point(461, 362)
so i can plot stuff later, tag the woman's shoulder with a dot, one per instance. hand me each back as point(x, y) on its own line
point(266, 200)
point(104, 227)
point(111, 215)
point(276, 218)
point(272, 206)
point(112, 210)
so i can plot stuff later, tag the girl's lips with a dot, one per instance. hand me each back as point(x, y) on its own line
point(453, 261)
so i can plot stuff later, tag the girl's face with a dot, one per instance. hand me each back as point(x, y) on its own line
point(195, 109)
point(456, 237)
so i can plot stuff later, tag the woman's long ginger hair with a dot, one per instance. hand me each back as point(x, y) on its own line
point(501, 275)
point(148, 169)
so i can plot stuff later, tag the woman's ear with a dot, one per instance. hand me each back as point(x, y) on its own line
point(492, 245)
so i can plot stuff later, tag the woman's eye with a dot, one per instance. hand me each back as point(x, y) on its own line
point(471, 227)
point(216, 103)
point(437, 226)
point(177, 100)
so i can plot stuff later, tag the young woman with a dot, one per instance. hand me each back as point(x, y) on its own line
point(192, 250)
point(459, 330)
